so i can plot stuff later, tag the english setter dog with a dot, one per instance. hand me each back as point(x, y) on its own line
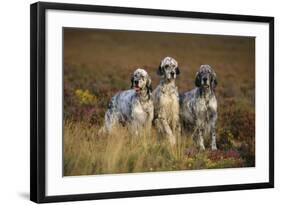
point(199, 107)
point(166, 100)
point(132, 107)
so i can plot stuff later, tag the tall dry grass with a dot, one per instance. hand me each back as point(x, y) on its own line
point(87, 152)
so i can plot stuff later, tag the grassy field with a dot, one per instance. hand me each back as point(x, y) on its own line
point(98, 63)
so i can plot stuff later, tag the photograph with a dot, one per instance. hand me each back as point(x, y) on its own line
point(143, 101)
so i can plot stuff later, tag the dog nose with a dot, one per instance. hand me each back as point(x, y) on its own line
point(205, 79)
point(136, 82)
point(172, 73)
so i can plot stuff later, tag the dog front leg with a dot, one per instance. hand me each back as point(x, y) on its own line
point(176, 128)
point(200, 139)
point(199, 128)
point(166, 130)
point(213, 133)
point(134, 129)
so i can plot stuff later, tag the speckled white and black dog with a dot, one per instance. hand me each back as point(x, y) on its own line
point(132, 107)
point(199, 107)
point(166, 100)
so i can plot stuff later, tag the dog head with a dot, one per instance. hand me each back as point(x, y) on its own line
point(140, 80)
point(206, 78)
point(168, 69)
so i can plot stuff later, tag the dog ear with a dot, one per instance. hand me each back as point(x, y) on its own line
point(177, 70)
point(132, 81)
point(160, 70)
point(198, 79)
point(149, 84)
point(214, 80)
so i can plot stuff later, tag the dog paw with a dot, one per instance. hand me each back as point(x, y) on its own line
point(214, 147)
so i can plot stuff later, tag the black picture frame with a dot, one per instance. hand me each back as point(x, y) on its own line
point(38, 101)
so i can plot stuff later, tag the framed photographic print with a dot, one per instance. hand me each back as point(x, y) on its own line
point(129, 102)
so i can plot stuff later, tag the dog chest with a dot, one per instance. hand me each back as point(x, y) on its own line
point(169, 107)
point(205, 109)
point(142, 111)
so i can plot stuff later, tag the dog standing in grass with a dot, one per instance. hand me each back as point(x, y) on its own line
point(166, 100)
point(199, 107)
point(132, 107)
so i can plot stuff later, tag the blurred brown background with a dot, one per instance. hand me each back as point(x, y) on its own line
point(103, 60)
